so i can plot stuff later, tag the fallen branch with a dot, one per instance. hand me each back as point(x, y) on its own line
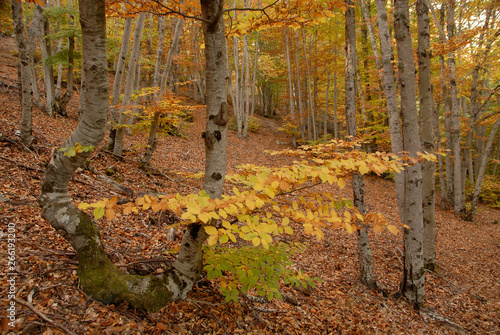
point(22, 165)
point(42, 316)
point(427, 314)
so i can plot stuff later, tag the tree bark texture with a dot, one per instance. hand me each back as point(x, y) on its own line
point(391, 98)
point(414, 276)
point(364, 251)
point(117, 83)
point(99, 277)
point(25, 71)
point(129, 85)
point(427, 132)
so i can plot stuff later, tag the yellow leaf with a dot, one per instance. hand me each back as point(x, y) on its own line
point(341, 182)
point(250, 204)
point(212, 240)
point(204, 217)
point(288, 230)
point(406, 226)
point(83, 206)
point(259, 202)
point(211, 230)
point(392, 229)
point(348, 216)
point(285, 221)
point(223, 213)
point(256, 241)
point(363, 169)
point(348, 227)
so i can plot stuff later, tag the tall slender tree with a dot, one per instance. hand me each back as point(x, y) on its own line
point(427, 131)
point(364, 251)
point(413, 284)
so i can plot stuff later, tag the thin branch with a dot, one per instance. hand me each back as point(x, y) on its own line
point(42, 316)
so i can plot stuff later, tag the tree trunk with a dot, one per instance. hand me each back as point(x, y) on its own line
point(48, 71)
point(129, 86)
point(25, 74)
point(152, 138)
point(458, 196)
point(170, 56)
point(427, 131)
point(325, 117)
point(254, 77)
point(99, 277)
point(216, 79)
point(391, 99)
point(246, 87)
point(364, 251)
point(413, 284)
point(66, 97)
point(117, 83)
point(482, 169)
point(290, 85)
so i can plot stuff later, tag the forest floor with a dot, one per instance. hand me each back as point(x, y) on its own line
point(465, 291)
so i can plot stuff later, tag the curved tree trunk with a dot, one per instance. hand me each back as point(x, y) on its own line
point(99, 277)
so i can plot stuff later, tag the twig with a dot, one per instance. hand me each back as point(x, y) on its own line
point(42, 316)
point(211, 314)
point(22, 165)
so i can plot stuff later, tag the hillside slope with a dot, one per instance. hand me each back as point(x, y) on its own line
point(466, 290)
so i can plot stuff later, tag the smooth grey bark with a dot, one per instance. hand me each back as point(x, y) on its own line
point(130, 84)
point(62, 101)
point(117, 83)
point(153, 128)
point(458, 195)
point(48, 71)
point(246, 87)
point(159, 52)
point(170, 56)
point(482, 170)
point(299, 90)
point(364, 251)
point(99, 277)
point(312, 110)
point(290, 85)
point(413, 284)
point(373, 42)
point(391, 98)
point(325, 116)
point(254, 76)
point(427, 133)
point(25, 74)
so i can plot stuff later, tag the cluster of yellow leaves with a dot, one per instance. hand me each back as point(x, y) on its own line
point(259, 209)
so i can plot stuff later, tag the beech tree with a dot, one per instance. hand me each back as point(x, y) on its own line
point(413, 284)
point(26, 49)
point(364, 251)
point(99, 277)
